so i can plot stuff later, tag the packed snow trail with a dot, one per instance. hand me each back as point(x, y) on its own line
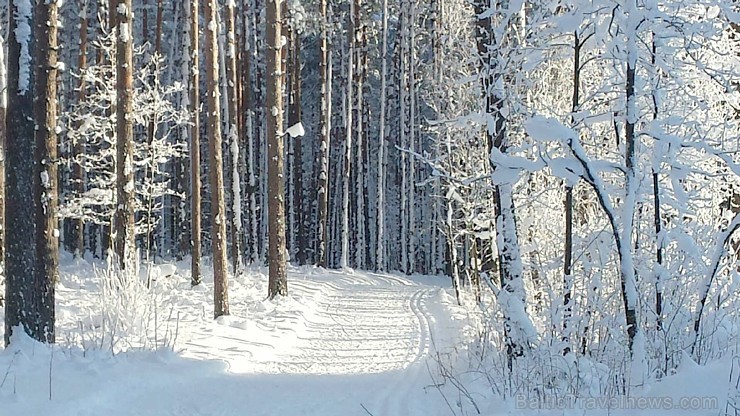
point(342, 343)
point(358, 324)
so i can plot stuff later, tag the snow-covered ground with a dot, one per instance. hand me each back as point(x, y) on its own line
point(340, 341)
point(343, 343)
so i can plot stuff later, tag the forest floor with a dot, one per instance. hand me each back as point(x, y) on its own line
point(342, 343)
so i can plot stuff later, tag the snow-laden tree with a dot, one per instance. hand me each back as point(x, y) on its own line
point(91, 128)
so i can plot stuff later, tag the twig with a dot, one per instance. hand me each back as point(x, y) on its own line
point(365, 409)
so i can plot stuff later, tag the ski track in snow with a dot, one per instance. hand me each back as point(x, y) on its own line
point(360, 324)
point(341, 341)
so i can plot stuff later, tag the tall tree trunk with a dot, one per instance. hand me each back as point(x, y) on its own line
point(512, 296)
point(294, 117)
point(250, 136)
point(278, 281)
point(359, 163)
point(324, 144)
point(21, 299)
point(233, 135)
point(627, 272)
point(160, 21)
point(403, 137)
point(3, 138)
point(125, 243)
point(412, 240)
point(31, 256)
point(78, 173)
point(380, 246)
point(347, 163)
point(568, 249)
point(216, 171)
point(46, 192)
point(656, 202)
point(195, 181)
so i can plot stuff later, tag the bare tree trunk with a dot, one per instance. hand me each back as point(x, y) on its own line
point(294, 117)
point(250, 137)
point(21, 306)
point(347, 165)
point(32, 253)
point(195, 180)
point(628, 276)
point(359, 163)
point(218, 214)
point(656, 206)
point(278, 281)
point(3, 138)
point(125, 243)
point(380, 246)
point(568, 249)
point(160, 18)
point(46, 192)
point(325, 143)
point(403, 137)
point(233, 135)
point(78, 173)
point(412, 231)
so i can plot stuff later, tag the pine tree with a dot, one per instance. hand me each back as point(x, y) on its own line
point(278, 281)
point(195, 181)
point(125, 243)
point(20, 251)
point(32, 253)
point(216, 171)
point(233, 135)
point(380, 245)
point(3, 139)
point(322, 223)
point(46, 192)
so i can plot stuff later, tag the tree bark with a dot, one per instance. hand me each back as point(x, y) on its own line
point(278, 281)
point(47, 192)
point(234, 136)
point(218, 212)
point(32, 253)
point(294, 116)
point(125, 243)
point(347, 163)
point(3, 138)
point(324, 144)
point(380, 245)
point(195, 180)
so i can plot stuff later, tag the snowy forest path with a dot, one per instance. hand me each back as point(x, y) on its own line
point(342, 343)
point(355, 324)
